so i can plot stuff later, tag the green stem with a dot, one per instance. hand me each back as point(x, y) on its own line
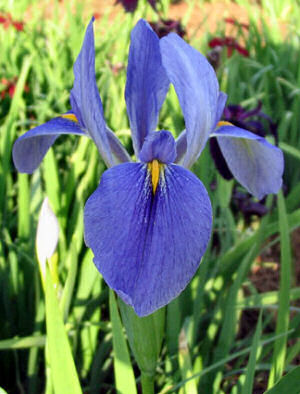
point(147, 384)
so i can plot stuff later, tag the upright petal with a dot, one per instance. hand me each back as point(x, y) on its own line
point(197, 89)
point(119, 153)
point(181, 147)
point(159, 145)
point(181, 141)
point(148, 246)
point(30, 149)
point(85, 100)
point(222, 98)
point(147, 83)
point(253, 161)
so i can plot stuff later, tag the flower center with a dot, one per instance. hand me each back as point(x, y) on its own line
point(154, 167)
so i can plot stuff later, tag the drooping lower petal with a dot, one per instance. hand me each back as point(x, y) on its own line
point(30, 149)
point(147, 83)
point(197, 89)
point(253, 161)
point(148, 245)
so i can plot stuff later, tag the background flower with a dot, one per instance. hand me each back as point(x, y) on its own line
point(130, 5)
point(6, 20)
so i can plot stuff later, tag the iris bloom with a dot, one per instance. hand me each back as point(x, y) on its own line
point(149, 221)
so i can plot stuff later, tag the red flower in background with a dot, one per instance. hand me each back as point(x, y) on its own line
point(10, 87)
point(6, 20)
point(230, 43)
point(234, 22)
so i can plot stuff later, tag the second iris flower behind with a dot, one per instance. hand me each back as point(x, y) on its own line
point(149, 222)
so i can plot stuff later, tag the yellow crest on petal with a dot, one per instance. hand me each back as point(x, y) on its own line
point(224, 123)
point(70, 117)
point(154, 168)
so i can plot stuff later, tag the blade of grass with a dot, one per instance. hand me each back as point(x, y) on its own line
point(124, 376)
point(63, 370)
point(224, 361)
point(22, 343)
point(230, 316)
point(287, 384)
point(67, 294)
point(185, 363)
point(283, 295)
point(290, 150)
point(268, 298)
point(254, 354)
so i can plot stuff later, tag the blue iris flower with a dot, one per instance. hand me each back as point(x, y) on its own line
point(149, 222)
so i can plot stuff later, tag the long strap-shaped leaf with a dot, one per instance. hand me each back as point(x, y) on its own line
point(124, 377)
point(254, 354)
point(287, 384)
point(282, 325)
point(63, 371)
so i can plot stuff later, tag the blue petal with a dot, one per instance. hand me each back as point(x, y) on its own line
point(181, 147)
point(181, 141)
point(197, 89)
point(222, 98)
point(147, 83)
point(148, 247)
point(253, 161)
point(85, 99)
point(159, 145)
point(119, 153)
point(31, 147)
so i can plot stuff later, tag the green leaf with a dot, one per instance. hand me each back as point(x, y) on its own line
point(254, 354)
point(287, 384)
point(290, 150)
point(22, 343)
point(282, 324)
point(185, 360)
point(63, 371)
point(267, 298)
point(225, 360)
point(124, 377)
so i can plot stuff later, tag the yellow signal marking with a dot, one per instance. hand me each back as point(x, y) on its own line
point(154, 168)
point(224, 123)
point(70, 117)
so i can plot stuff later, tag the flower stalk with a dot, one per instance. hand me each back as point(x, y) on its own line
point(147, 383)
point(145, 335)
